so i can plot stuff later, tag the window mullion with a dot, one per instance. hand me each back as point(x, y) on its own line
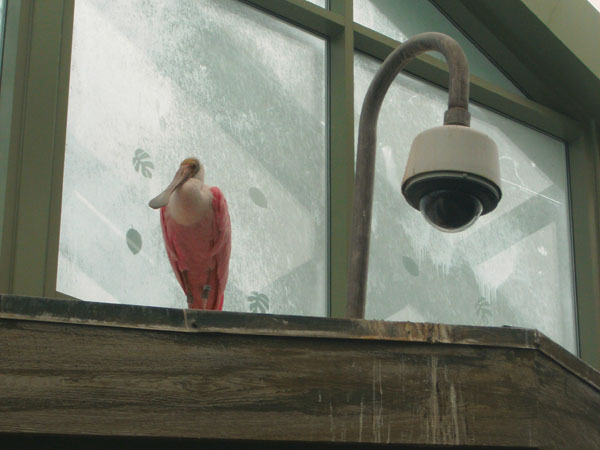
point(33, 153)
point(583, 174)
point(341, 122)
point(305, 14)
point(64, 70)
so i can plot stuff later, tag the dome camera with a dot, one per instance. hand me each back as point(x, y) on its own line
point(452, 176)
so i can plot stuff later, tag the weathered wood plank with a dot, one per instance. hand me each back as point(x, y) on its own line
point(569, 410)
point(73, 311)
point(73, 379)
point(146, 317)
point(89, 369)
point(568, 361)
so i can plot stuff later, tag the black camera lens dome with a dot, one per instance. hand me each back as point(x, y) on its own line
point(450, 210)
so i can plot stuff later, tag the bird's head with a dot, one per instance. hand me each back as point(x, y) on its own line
point(189, 168)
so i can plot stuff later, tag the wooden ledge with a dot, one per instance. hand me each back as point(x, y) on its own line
point(195, 321)
point(75, 368)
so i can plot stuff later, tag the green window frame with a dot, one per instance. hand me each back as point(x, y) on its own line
point(33, 113)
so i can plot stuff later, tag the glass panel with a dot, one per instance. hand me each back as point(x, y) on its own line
point(513, 267)
point(401, 19)
point(595, 4)
point(321, 3)
point(153, 82)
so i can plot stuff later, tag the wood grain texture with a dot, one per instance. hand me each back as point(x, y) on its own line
point(196, 321)
point(70, 379)
point(569, 410)
point(84, 369)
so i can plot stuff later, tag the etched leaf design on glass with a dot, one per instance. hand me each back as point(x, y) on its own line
point(259, 303)
point(258, 197)
point(134, 240)
point(140, 162)
point(411, 266)
point(484, 310)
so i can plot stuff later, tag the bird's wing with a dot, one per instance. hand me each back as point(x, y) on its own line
point(222, 222)
point(171, 251)
point(222, 245)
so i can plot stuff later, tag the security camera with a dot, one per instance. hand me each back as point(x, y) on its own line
point(452, 176)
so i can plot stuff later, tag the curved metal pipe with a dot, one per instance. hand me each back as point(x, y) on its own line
point(457, 114)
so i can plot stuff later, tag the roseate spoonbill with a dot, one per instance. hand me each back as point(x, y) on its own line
point(197, 234)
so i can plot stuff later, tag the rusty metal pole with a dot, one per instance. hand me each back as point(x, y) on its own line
point(457, 114)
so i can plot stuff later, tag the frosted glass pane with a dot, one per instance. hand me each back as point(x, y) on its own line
point(513, 267)
point(401, 19)
point(153, 82)
point(321, 3)
point(595, 4)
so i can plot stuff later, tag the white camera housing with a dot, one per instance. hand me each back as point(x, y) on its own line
point(452, 176)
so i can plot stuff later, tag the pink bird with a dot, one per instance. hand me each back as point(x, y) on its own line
point(197, 233)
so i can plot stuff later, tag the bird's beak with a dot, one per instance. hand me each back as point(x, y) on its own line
point(183, 174)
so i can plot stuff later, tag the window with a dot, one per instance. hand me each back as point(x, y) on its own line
point(513, 267)
point(155, 82)
point(321, 3)
point(266, 90)
point(401, 19)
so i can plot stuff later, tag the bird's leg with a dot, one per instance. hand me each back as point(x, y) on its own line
point(188, 289)
point(206, 291)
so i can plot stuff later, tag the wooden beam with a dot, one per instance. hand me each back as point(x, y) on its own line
point(71, 379)
point(224, 376)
